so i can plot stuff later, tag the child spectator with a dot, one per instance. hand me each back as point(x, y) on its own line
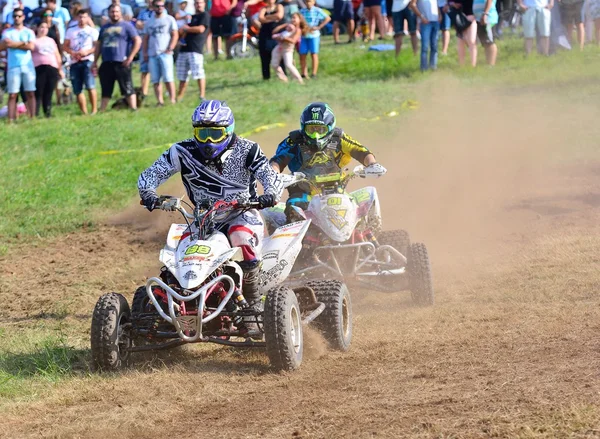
point(287, 36)
point(316, 20)
point(427, 11)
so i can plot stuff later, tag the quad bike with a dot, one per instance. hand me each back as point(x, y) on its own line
point(345, 241)
point(244, 44)
point(197, 297)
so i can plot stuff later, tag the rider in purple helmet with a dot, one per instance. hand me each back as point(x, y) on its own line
point(216, 164)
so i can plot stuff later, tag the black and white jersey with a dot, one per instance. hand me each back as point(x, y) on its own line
point(231, 177)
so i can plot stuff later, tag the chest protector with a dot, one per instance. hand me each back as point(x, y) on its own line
point(321, 162)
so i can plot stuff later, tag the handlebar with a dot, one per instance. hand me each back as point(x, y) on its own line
point(173, 204)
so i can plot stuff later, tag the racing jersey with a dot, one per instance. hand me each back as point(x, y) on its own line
point(232, 176)
point(294, 153)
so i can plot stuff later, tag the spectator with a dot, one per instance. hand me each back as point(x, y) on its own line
point(316, 20)
point(594, 11)
point(28, 13)
point(373, 14)
point(126, 12)
point(486, 14)
point(221, 24)
point(52, 27)
point(343, 13)
point(48, 68)
point(445, 24)
point(467, 38)
point(401, 13)
point(427, 11)
point(236, 16)
point(182, 16)
point(18, 42)
point(571, 14)
point(288, 37)
point(290, 7)
point(358, 19)
point(536, 16)
point(118, 44)
point(142, 18)
point(191, 55)
point(270, 17)
point(61, 18)
point(74, 10)
point(160, 38)
point(80, 43)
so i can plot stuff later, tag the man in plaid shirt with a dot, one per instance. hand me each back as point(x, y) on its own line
point(316, 20)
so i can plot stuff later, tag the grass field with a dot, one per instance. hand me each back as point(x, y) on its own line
point(497, 180)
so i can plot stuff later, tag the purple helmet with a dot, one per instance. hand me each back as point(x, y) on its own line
point(213, 124)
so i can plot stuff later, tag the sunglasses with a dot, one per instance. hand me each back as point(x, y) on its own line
point(211, 134)
point(316, 131)
point(48, 15)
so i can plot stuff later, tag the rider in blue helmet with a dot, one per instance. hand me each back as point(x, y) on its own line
point(216, 164)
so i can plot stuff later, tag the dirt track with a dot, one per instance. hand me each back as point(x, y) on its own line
point(511, 349)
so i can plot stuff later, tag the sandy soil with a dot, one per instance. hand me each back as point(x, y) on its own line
point(506, 194)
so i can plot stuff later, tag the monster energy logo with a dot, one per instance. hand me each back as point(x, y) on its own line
point(315, 113)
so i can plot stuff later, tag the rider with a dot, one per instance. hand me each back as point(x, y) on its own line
point(216, 164)
point(318, 148)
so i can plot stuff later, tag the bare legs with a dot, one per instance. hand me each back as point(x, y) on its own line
point(469, 39)
point(374, 17)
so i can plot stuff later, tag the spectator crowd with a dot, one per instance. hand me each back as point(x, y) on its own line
point(52, 51)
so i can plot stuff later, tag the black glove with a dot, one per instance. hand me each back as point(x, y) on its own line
point(266, 201)
point(149, 202)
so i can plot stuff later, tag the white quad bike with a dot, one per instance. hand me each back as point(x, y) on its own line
point(345, 241)
point(197, 297)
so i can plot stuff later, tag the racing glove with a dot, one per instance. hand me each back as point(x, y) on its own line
point(266, 200)
point(375, 170)
point(150, 201)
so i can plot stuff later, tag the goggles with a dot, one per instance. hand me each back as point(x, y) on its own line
point(316, 131)
point(211, 134)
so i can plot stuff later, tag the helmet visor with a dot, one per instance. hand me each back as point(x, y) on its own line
point(316, 131)
point(210, 134)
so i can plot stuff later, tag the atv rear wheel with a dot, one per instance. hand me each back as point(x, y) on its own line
point(110, 336)
point(335, 322)
point(283, 329)
point(419, 275)
point(399, 239)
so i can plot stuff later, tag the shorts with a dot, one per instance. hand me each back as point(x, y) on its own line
point(342, 11)
point(161, 68)
point(221, 26)
point(400, 16)
point(20, 76)
point(144, 67)
point(445, 23)
point(190, 62)
point(81, 74)
point(536, 18)
point(371, 3)
point(309, 45)
point(485, 34)
point(571, 13)
point(112, 71)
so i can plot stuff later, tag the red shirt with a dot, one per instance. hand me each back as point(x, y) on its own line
point(220, 8)
point(255, 9)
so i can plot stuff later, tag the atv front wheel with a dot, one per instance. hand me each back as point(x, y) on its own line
point(335, 322)
point(283, 329)
point(110, 336)
point(419, 275)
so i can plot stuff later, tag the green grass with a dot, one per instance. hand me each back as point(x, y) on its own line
point(57, 178)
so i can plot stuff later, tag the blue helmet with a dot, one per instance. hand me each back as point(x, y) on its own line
point(213, 124)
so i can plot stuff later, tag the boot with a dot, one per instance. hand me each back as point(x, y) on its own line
point(250, 289)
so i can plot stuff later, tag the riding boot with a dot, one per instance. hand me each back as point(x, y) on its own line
point(251, 291)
